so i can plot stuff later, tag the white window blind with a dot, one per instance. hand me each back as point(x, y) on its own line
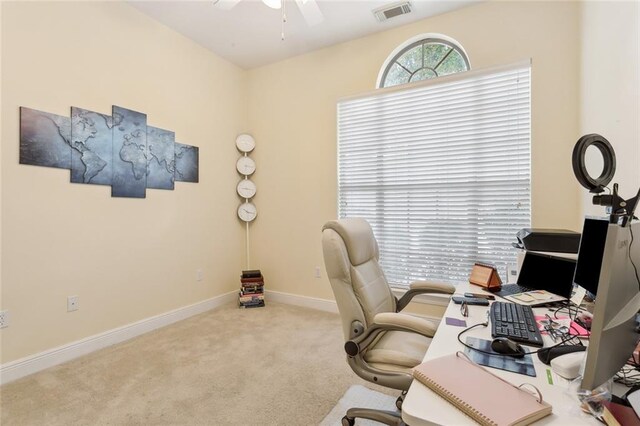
point(441, 170)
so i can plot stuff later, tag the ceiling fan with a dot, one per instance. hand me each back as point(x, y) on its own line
point(308, 8)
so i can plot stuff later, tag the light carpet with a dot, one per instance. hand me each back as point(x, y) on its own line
point(361, 397)
point(277, 365)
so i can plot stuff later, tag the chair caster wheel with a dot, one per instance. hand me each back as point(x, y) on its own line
point(346, 421)
point(399, 402)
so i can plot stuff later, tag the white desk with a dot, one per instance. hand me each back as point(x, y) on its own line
point(423, 407)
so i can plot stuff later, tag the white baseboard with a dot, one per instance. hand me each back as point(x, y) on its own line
point(304, 301)
point(23, 367)
point(32, 364)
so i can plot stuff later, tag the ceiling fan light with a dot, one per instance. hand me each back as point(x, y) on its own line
point(273, 4)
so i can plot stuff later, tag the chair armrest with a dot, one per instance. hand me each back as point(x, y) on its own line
point(389, 321)
point(404, 322)
point(423, 287)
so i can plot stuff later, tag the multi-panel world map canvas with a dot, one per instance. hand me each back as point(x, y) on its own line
point(119, 150)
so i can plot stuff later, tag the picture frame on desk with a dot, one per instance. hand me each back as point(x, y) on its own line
point(485, 276)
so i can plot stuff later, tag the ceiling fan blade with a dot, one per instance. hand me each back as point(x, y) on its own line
point(225, 4)
point(310, 11)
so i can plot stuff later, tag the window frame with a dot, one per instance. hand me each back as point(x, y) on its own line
point(436, 82)
point(412, 43)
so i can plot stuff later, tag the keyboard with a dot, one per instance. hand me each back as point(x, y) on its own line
point(516, 322)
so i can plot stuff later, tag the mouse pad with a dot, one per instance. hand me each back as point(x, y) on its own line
point(522, 365)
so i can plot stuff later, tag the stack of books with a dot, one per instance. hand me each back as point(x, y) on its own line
point(251, 289)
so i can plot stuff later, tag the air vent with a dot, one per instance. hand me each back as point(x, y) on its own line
point(392, 10)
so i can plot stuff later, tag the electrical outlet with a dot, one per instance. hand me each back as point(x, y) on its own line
point(199, 275)
point(73, 303)
point(4, 319)
point(317, 272)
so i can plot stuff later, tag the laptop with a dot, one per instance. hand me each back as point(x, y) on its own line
point(542, 279)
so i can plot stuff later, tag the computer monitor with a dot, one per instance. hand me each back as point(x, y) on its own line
point(546, 272)
point(613, 329)
point(592, 242)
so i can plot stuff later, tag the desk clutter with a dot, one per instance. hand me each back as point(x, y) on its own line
point(251, 289)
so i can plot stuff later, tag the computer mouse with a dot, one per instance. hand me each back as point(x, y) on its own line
point(505, 346)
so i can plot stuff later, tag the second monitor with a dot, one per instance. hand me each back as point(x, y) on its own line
point(613, 330)
point(592, 243)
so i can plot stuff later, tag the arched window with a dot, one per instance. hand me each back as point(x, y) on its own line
point(422, 58)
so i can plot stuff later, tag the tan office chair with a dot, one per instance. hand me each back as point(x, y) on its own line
point(382, 344)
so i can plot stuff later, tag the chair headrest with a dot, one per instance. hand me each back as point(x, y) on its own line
point(358, 238)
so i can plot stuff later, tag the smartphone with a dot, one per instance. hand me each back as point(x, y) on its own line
point(480, 296)
point(470, 300)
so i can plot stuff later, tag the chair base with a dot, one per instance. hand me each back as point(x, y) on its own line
point(391, 418)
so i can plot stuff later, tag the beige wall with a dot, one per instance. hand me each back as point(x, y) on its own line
point(127, 259)
point(610, 89)
point(292, 110)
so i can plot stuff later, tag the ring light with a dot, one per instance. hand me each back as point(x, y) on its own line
point(598, 184)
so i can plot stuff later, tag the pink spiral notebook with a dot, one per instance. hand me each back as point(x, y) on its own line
point(478, 393)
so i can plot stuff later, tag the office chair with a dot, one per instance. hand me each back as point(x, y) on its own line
point(382, 344)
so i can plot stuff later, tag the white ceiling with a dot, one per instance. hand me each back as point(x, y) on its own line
point(249, 34)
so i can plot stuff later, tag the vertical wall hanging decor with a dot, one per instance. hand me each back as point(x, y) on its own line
point(186, 163)
point(120, 150)
point(129, 154)
point(246, 189)
point(161, 155)
point(251, 281)
point(45, 139)
point(91, 150)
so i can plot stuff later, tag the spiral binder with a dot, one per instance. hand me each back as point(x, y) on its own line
point(478, 393)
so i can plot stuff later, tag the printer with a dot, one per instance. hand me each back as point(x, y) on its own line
point(548, 240)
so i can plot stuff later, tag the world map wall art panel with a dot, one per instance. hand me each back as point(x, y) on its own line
point(120, 150)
